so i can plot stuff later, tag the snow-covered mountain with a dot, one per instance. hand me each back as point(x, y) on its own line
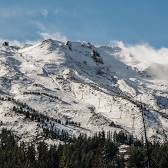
point(83, 87)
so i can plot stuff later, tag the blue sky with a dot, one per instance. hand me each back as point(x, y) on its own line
point(97, 21)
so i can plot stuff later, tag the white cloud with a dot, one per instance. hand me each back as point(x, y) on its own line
point(145, 57)
point(55, 36)
point(18, 43)
point(11, 42)
point(146, 53)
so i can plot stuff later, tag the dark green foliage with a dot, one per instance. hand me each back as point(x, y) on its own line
point(159, 156)
point(48, 124)
point(123, 138)
point(136, 159)
point(89, 152)
point(98, 151)
point(83, 152)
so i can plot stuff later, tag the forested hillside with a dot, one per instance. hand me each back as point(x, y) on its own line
point(100, 151)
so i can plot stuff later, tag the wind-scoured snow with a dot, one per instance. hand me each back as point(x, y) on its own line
point(101, 88)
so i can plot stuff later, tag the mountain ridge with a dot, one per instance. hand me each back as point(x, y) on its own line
point(90, 88)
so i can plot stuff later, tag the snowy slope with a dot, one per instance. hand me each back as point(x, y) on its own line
point(100, 88)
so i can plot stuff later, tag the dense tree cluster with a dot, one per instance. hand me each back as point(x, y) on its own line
point(158, 152)
point(83, 152)
point(46, 94)
point(99, 151)
point(48, 124)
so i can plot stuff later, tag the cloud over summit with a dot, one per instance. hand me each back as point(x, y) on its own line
point(145, 58)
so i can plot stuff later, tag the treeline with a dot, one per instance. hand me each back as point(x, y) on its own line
point(158, 156)
point(51, 128)
point(46, 94)
point(84, 152)
point(49, 125)
point(99, 151)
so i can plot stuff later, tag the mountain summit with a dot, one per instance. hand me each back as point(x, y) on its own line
point(79, 88)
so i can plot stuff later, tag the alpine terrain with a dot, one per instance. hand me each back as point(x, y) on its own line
point(78, 88)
